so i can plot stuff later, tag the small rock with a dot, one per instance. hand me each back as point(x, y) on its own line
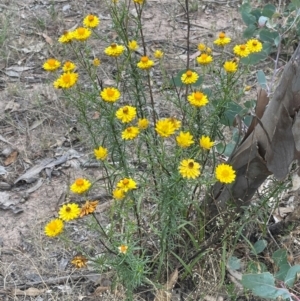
point(4, 186)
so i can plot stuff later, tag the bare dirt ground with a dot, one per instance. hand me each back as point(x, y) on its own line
point(37, 125)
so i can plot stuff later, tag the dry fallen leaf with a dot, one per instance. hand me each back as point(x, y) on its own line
point(11, 158)
point(47, 39)
point(32, 291)
point(101, 289)
point(163, 294)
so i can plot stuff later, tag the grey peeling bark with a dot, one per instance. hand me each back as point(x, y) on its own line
point(270, 145)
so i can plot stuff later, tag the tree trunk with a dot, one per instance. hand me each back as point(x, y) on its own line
point(269, 147)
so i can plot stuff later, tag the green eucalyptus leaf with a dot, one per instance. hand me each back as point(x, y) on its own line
point(247, 120)
point(291, 275)
point(232, 110)
point(234, 263)
point(296, 3)
point(256, 267)
point(259, 246)
point(281, 274)
point(256, 13)
point(261, 78)
point(268, 36)
point(280, 257)
point(248, 18)
point(254, 58)
point(263, 285)
point(249, 32)
point(246, 7)
point(269, 10)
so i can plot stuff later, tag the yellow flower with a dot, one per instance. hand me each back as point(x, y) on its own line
point(126, 184)
point(184, 139)
point(201, 47)
point(139, 1)
point(119, 194)
point(66, 80)
point(241, 50)
point(225, 173)
point(204, 59)
point(68, 212)
point(110, 94)
point(133, 45)
point(68, 66)
point(88, 207)
point(175, 122)
point(51, 65)
point(81, 33)
point(91, 21)
point(189, 169)
point(208, 50)
point(206, 143)
point(230, 66)
point(254, 45)
point(96, 62)
point(189, 77)
point(247, 88)
point(123, 249)
point(145, 63)
point(130, 133)
point(198, 99)
point(54, 227)
point(126, 114)
point(56, 84)
point(143, 123)
point(222, 40)
point(165, 128)
point(80, 186)
point(100, 153)
point(79, 261)
point(66, 37)
point(114, 50)
point(158, 54)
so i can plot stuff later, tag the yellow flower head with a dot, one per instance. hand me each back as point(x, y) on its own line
point(68, 212)
point(126, 184)
point(100, 153)
point(225, 173)
point(54, 227)
point(68, 66)
point(175, 122)
point(143, 123)
point(184, 139)
point(189, 77)
point(230, 66)
point(79, 261)
point(254, 45)
point(81, 33)
point(110, 94)
point(66, 80)
point(130, 133)
point(51, 65)
point(201, 47)
point(247, 88)
point(88, 207)
point(206, 143)
point(145, 63)
point(96, 62)
point(189, 169)
point(241, 50)
point(114, 50)
point(66, 37)
point(139, 1)
point(80, 186)
point(158, 54)
point(91, 21)
point(222, 40)
point(133, 45)
point(123, 249)
point(165, 128)
point(119, 194)
point(204, 59)
point(126, 114)
point(197, 99)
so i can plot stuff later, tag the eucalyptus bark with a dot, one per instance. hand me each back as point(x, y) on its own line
point(269, 147)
